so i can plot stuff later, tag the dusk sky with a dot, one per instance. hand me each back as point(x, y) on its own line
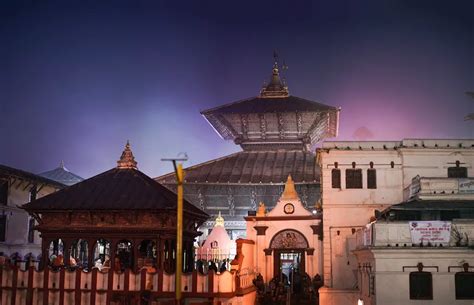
point(78, 78)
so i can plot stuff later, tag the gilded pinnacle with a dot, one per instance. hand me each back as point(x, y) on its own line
point(219, 221)
point(290, 191)
point(127, 160)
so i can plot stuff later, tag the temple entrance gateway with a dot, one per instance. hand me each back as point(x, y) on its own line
point(286, 240)
point(288, 263)
point(289, 248)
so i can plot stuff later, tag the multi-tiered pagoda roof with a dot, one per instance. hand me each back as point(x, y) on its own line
point(277, 132)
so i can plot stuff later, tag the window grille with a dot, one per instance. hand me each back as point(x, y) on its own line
point(371, 178)
point(336, 178)
point(421, 285)
point(353, 178)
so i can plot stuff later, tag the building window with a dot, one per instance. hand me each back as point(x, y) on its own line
point(336, 178)
point(421, 285)
point(353, 178)
point(3, 227)
point(371, 178)
point(458, 171)
point(3, 192)
point(463, 282)
point(31, 230)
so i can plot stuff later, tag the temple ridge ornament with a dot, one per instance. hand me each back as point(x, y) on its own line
point(289, 192)
point(262, 210)
point(219, 221)
point(276, 88)
point(127, 160)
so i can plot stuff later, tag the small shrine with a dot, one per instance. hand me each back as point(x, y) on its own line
point(218, 247)
point(120, 219)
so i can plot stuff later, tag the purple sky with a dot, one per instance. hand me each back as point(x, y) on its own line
point(78, 80)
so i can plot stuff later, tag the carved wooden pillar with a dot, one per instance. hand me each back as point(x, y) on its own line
point(157, 261)
point(113, 246)
point(190, 256)
point(135, 245)
point(166, 254)
point(45, 252)
point(66, 245)
point(90, 252)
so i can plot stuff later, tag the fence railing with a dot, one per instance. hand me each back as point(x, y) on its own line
point(78, 287)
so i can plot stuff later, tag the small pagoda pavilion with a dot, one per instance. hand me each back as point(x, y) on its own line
point(118, 219)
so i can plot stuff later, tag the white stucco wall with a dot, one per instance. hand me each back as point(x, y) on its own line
point(392, 281)
point(348, 209)
point(16, 236)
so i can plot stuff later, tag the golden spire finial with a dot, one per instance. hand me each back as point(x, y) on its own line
point(127, 160)
point(262, 210)
point(219, 220)
point(290, 191)
point(276, 87)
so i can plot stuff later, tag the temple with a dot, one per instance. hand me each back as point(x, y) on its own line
point(118, 219)
point(276, 132)
point(62, 175)
point(355, 222)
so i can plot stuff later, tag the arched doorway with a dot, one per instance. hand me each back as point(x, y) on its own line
point(289, 252)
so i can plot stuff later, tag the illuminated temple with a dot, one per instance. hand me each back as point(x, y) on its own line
point(276, 132)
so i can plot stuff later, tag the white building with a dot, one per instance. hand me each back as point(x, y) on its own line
point(17, 235)
point(362, 180)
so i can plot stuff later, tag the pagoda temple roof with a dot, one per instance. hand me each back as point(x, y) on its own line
point(121, 188)
point(115, 189)
point(62, 175)
point(24, 175)
point(253, 167)
point(269, 104)
point(274, 119)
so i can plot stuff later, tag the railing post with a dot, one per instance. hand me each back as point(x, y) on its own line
point(29, 292)
point(78, 290)
point(194, 279)
point(126, 280)
point(46, 285)
point(160, 280)
point(61, 286)
point(110, 285)
point(210, 278)
point(93, 285)
point(14, 284)
point(143, 279)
